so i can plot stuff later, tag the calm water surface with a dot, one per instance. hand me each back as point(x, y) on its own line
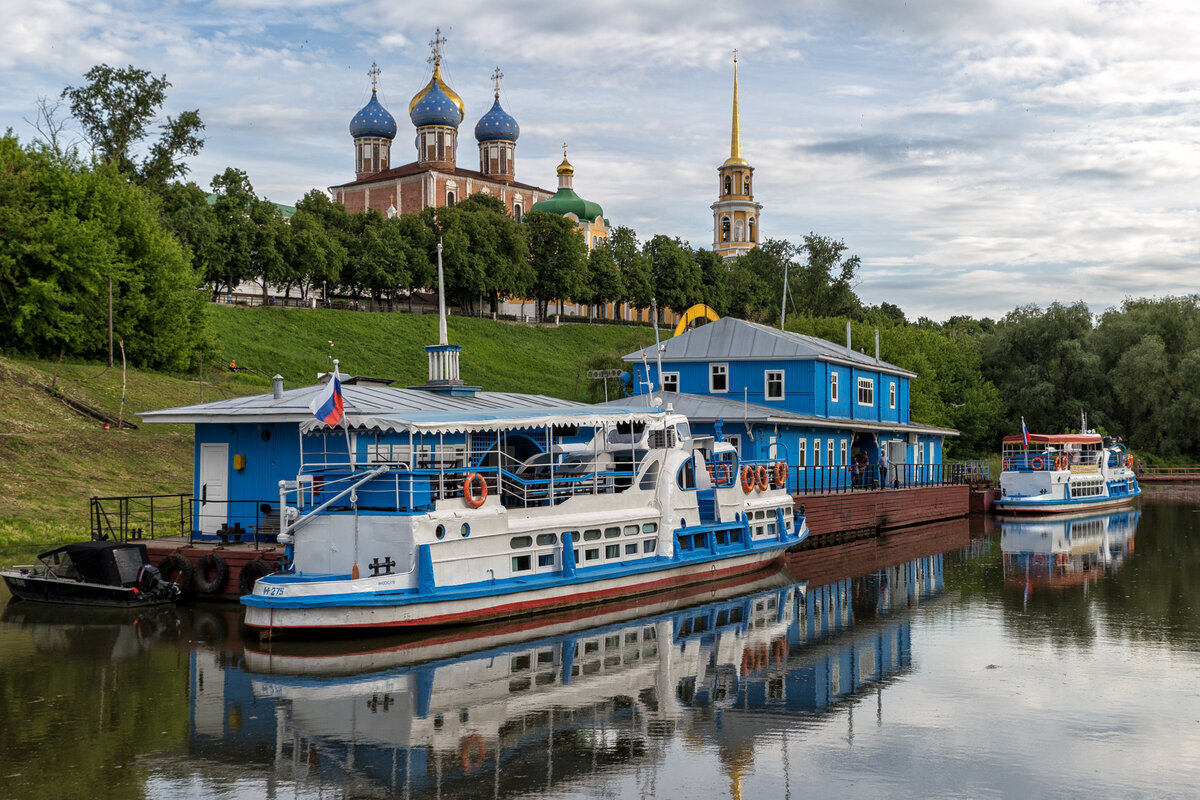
point(965, 659)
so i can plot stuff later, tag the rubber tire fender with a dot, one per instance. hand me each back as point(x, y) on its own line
point(220, 570)
point(251, 572)
point(176, 568)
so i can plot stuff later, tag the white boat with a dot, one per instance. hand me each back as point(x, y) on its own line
point(436, 518)
point(1066, 549)
point(1061, 473)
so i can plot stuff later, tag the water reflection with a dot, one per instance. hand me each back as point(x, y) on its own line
point(1061, 552)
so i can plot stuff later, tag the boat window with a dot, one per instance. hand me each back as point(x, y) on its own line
point(612, 533)
point(517, 542)
point(631, 549)
point(520, 663)
point(649, 545)
point(684, 430)
point(440, 531)
point(612, 551)
point(546, 560)
point(465, 530)
point(522, 563)
point(591, 554)
point(650, 527)
point(547, 538)
point(631, 530)
point(686, 477)
point(591, 535)
point(650, 476)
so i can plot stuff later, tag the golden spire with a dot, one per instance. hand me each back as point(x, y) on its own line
point(735, 135)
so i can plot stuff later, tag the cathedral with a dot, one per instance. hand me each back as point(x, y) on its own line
point(434, 179)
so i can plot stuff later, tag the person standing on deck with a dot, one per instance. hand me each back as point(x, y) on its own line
point(884, 464)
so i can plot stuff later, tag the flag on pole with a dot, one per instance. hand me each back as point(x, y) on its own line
point(328, 405)
point(1024, 432)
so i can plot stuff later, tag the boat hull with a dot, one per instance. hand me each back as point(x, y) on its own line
point(1062, 506)
point(374, 610)
point(80, 593)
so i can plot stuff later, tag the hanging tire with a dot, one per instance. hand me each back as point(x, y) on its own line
point(250, 573)
point(211, 573)
point(175, 568)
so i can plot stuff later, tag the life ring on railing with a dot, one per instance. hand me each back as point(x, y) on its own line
point(747, 665)
point(1060, 462)
point(211, 563)
point(1039, 560)
point(781, 474)
point(723, 474)
point(763, 481)
point(472, 751)
point(1128, 460)
point(474, 483)
point(747, 479)
point(1036, 463)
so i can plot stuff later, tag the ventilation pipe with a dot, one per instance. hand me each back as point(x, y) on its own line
point(877, 345)
point(848, 335)
point(277, 387)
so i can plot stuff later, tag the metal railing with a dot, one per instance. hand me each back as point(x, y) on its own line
point(147, 516)
point(845, 478)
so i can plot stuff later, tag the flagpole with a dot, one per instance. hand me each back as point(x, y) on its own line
point(345, 422)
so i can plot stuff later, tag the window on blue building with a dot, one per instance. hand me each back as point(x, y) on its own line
point(718, 378)
point(774, 388)
point(866, 391)
point(892, 394)
point(670, 382)
point(843, 459)
point(833, 387)
point(829, 453)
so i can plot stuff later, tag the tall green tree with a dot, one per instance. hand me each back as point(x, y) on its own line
point(235, 231)
point(558, 256)
point(117, 107)
point(633, 266)
point(603, 278)
point(674, 273)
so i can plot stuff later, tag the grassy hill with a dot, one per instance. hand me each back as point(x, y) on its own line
point(54, 459)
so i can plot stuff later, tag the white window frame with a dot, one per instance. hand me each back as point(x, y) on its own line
point(833, 387)
point(816, 452)
point(867, 386)
point(767, 384)
point(722, 369)
point(670, 377)
point(829, 462)
point(735, 439)
point(844, 446)
point(802, 452)
point(892, 394)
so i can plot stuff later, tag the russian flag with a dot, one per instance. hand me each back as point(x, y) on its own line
point(328, 405)
point(1024, 431)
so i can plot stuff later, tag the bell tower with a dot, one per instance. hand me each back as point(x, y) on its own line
point(735, 214)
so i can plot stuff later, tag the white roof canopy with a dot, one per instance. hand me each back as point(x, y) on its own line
point(464, 421)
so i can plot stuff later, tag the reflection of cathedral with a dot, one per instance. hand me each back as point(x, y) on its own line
point(433, 179)
point(735, 214)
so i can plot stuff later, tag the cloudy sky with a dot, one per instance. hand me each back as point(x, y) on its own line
point(977, 154)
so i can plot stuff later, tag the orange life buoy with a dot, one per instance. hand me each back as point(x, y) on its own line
point(762, 478)
point(1036, 463)
point(472, 752)
point(724, 474)
point(1039, 560)
point(747, 667)
point(1128, 460)
point(474, 482)
point(748, 479)
point(781, 474)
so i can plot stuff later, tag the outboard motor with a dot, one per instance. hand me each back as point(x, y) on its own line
point(152, 584)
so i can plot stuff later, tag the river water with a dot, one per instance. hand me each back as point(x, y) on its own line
point(974, 658)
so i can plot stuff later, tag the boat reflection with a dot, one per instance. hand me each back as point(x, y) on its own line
point(1058, 552)
point(488, 710)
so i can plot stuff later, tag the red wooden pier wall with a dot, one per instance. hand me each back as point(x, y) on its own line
point(882, 509)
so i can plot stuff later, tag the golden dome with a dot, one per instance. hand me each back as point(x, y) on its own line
point(437, 77)
point(565, 167)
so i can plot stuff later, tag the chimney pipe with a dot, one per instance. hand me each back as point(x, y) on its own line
point(277, 387)
point(877, 345)
point(848, 335)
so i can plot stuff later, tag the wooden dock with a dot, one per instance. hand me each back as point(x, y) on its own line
point(205, 559)
point(841, 515)
point(1189, 473)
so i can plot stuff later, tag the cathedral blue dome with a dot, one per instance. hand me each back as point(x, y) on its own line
point(435, 108)
point(496, 124)
point(373, 120)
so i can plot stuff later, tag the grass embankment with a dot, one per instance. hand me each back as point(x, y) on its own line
point(52, 459)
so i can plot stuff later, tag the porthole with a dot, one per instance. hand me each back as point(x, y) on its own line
point(517, 542)
point(465, 530)
point(544, 539)
point(440, 532)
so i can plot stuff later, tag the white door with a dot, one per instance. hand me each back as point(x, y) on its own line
point(898, 455)
point(214, 487)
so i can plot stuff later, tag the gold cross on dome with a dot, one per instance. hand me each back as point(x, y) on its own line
point(374, 73)
point(496, 76)
point(564, 149)
point(735, 55)
point(436, 46)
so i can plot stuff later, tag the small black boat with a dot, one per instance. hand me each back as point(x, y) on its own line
point(110, 574)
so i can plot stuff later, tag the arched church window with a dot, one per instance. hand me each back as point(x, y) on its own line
point(517, 211)
point(739, 233)
point(746, 185)
point(753, 230)
point(728, 185)
point(450, 198)
point(724, 229)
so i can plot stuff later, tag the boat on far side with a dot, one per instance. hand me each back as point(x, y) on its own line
point(1061, 473)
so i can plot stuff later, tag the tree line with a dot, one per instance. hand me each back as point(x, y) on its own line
point(73, 224)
